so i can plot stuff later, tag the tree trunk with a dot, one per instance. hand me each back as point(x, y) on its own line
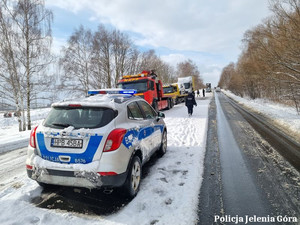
point(28, 88)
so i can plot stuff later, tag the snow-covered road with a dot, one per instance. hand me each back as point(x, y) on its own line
point(168, 194)
point(12, 168)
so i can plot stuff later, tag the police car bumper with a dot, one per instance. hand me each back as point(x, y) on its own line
point(77, 175)
point(76, 178)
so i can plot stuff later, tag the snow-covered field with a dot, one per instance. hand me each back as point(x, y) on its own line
point(168, 194)
point(285, 117)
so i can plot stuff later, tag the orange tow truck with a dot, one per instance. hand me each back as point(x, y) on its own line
point(148, 87)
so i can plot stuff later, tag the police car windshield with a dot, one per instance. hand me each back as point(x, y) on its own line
point(140, 86)
point(81, 117)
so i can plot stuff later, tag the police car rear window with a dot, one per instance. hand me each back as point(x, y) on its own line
point(79, 117)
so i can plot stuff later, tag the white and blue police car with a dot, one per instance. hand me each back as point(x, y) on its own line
point(98, 141)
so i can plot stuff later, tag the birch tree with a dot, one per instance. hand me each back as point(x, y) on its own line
point(34, 42)
point(134, 62)
point(121, 49)
point(99, 59)
point(27, 41)
point(76, 61)
point(103, 55)
point(10, 68)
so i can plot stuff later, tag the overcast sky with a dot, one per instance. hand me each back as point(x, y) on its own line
point(207, 31)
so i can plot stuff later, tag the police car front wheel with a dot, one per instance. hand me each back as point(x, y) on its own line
point(164, 143)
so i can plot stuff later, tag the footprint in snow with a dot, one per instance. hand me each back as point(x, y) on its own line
point(162, 168)
point(142, 206)
point(184, 172)
point(168, 201)
point(164, 180)
point(30, 220)
point(159, 192)
point(176, 171)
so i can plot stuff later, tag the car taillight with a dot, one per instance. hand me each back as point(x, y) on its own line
point(114, 140)
point(29, 167)
point(32, 141)
point(107, 173)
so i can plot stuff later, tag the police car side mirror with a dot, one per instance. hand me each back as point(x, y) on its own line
point(160, 115)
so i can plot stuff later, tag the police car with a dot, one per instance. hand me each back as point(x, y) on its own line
point(98, 141)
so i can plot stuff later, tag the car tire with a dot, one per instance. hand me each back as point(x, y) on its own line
point(172, 103)
point(169, 104)
point(133, 180)
point(164, 143)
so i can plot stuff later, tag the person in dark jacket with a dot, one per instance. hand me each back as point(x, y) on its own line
point(190, 102)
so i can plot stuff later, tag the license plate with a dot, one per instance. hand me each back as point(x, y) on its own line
point(66, 143)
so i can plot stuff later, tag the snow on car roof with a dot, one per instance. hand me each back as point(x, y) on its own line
point(99, 100)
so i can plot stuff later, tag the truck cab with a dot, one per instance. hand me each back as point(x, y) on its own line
point(173, 91)
point(148, 87)
point(208, 87)
point(187, 84)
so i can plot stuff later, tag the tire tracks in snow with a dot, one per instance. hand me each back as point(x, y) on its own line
point(12, 168)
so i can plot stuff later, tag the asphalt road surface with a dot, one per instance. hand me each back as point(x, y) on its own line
point(244, 174)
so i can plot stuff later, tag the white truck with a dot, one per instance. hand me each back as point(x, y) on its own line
point(186, 84)
point(208, 87)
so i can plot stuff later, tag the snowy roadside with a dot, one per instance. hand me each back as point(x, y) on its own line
point(282, 116)
point(10, 137)
point(13, 141)
point(168, 194)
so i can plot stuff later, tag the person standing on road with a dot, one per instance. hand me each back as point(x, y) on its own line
point(190, 102)
point(198, 93)
point(203, 92)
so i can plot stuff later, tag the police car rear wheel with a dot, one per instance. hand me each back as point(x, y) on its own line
point(133, 180)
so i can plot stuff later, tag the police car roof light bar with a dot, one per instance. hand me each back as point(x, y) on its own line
point(112, 91)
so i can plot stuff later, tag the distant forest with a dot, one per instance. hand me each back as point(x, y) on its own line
point(269, 65)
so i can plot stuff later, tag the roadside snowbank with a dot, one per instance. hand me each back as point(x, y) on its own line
point(10, 137)
point(284, 117)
